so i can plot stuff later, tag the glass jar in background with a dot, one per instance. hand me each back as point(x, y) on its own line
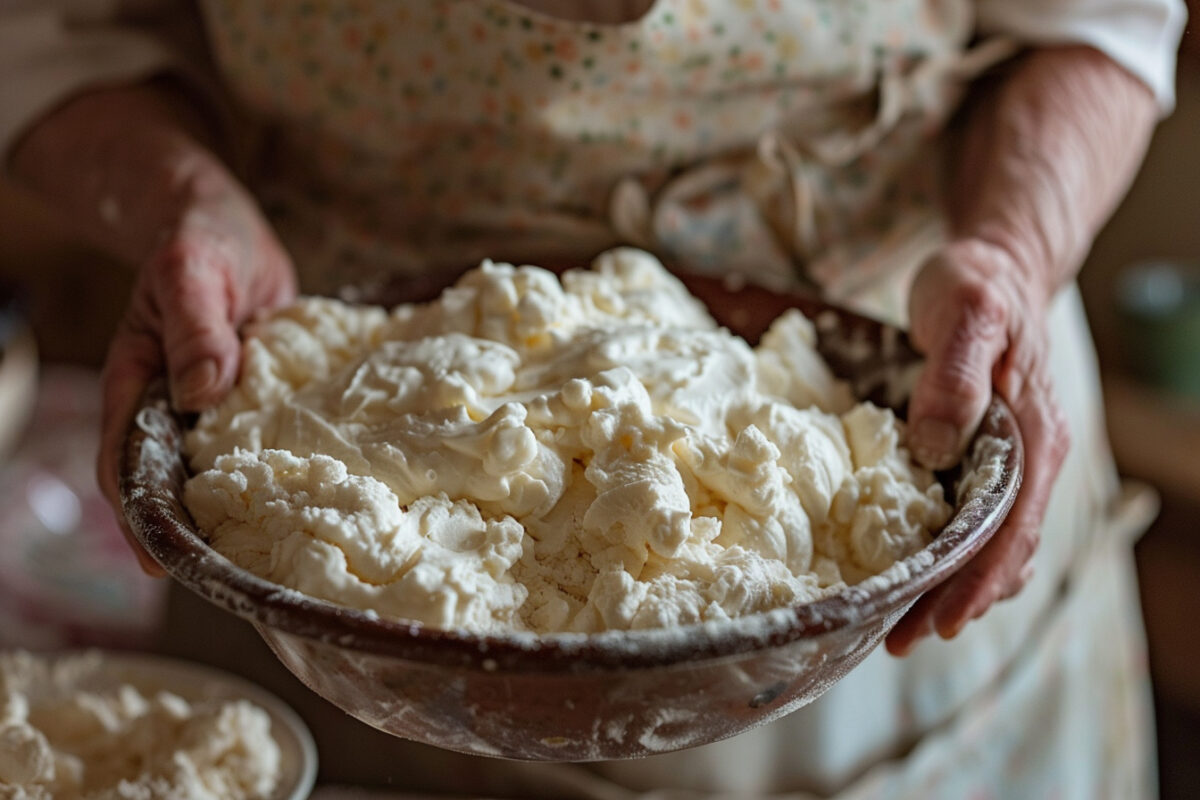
point(1159, 305)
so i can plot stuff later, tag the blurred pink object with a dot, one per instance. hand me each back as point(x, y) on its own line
point(67, 576)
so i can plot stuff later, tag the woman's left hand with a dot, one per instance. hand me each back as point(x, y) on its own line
point(979, 326)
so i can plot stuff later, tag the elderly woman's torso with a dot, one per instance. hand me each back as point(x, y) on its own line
point(774, 139)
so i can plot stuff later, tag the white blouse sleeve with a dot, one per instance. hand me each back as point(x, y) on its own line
point(52, 49)
point(1140, 35)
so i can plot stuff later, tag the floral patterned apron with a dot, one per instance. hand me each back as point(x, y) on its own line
point(773, 138)
point(789, 140)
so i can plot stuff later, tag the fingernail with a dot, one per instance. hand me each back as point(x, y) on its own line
point(934, 442)
point(952, 629)
point(195, 382)
point(149, 566)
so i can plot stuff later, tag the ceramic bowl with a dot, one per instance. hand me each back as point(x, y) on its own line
point(576, 697)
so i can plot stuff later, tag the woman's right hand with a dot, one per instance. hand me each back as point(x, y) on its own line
point(134, 169)
point(217, 262)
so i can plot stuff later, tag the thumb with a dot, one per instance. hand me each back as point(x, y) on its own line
point(960, 323)
point(195, 299)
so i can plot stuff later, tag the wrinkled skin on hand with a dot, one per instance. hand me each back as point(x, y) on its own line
point(218, 262)
point(981, 326)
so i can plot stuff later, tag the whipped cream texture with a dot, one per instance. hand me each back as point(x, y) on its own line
point(533, 454)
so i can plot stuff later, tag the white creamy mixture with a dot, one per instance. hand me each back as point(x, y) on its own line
point(67, 733)
point(525, 454)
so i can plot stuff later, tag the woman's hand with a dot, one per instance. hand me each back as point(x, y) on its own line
point(980, 326)
point(218, 262)
point(134, 170)
point(1047, 151)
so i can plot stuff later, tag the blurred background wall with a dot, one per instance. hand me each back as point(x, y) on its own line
point(1155, 430)
point(74, 298)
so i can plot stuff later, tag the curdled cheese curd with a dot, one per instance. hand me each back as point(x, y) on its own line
point(69, 733)
point(533, 454)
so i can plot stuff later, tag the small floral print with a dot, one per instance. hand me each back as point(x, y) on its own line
point(566, 48)
point(656, 95)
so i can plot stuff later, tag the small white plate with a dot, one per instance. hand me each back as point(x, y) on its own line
point(193, 682)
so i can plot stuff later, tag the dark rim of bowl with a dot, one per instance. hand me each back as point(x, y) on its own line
point(153, 472)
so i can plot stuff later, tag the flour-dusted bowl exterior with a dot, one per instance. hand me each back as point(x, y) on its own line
point(577, 697)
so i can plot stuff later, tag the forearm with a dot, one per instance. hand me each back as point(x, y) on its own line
point(118, 163)
point(1046, 156)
